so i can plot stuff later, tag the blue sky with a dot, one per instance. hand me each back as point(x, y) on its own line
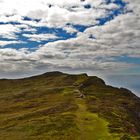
point(100, 36)
point(61, 33)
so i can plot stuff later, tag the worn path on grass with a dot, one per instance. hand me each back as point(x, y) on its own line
point(91, 127)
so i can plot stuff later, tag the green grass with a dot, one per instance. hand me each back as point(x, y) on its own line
point(48, 107)
point(90, 125)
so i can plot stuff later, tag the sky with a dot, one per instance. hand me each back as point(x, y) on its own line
point(131, 82)
point(100, 37)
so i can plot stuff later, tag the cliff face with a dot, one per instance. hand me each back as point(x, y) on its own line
point(62, 106)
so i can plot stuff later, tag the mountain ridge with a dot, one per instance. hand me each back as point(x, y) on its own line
point(57, 105)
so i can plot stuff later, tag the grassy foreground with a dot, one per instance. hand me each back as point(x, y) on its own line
point(58, 106)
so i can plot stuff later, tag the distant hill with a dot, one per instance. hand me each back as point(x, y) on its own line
point(59, 106)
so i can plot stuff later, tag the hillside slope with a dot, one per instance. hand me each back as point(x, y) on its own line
point(58, 106)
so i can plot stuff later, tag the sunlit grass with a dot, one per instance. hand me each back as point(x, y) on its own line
point(49, 107)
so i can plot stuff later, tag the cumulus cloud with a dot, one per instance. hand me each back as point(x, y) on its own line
point(40, 37)
point(8, 31)
point(119, 37)
point(97, 48)
point(59, 14)
point(4, 43)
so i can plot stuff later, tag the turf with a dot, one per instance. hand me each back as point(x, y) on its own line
point(58, 106)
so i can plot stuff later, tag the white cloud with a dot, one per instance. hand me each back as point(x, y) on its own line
point(120, 36)
point(40, 37)
point(4, 43)
point(58, 15)
point(70, 29)
point(12, 18)
point(8, 31)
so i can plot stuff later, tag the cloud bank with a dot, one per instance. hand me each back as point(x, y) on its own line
point(78, 35)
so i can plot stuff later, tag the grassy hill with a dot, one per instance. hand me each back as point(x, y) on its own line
point(58, 106)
